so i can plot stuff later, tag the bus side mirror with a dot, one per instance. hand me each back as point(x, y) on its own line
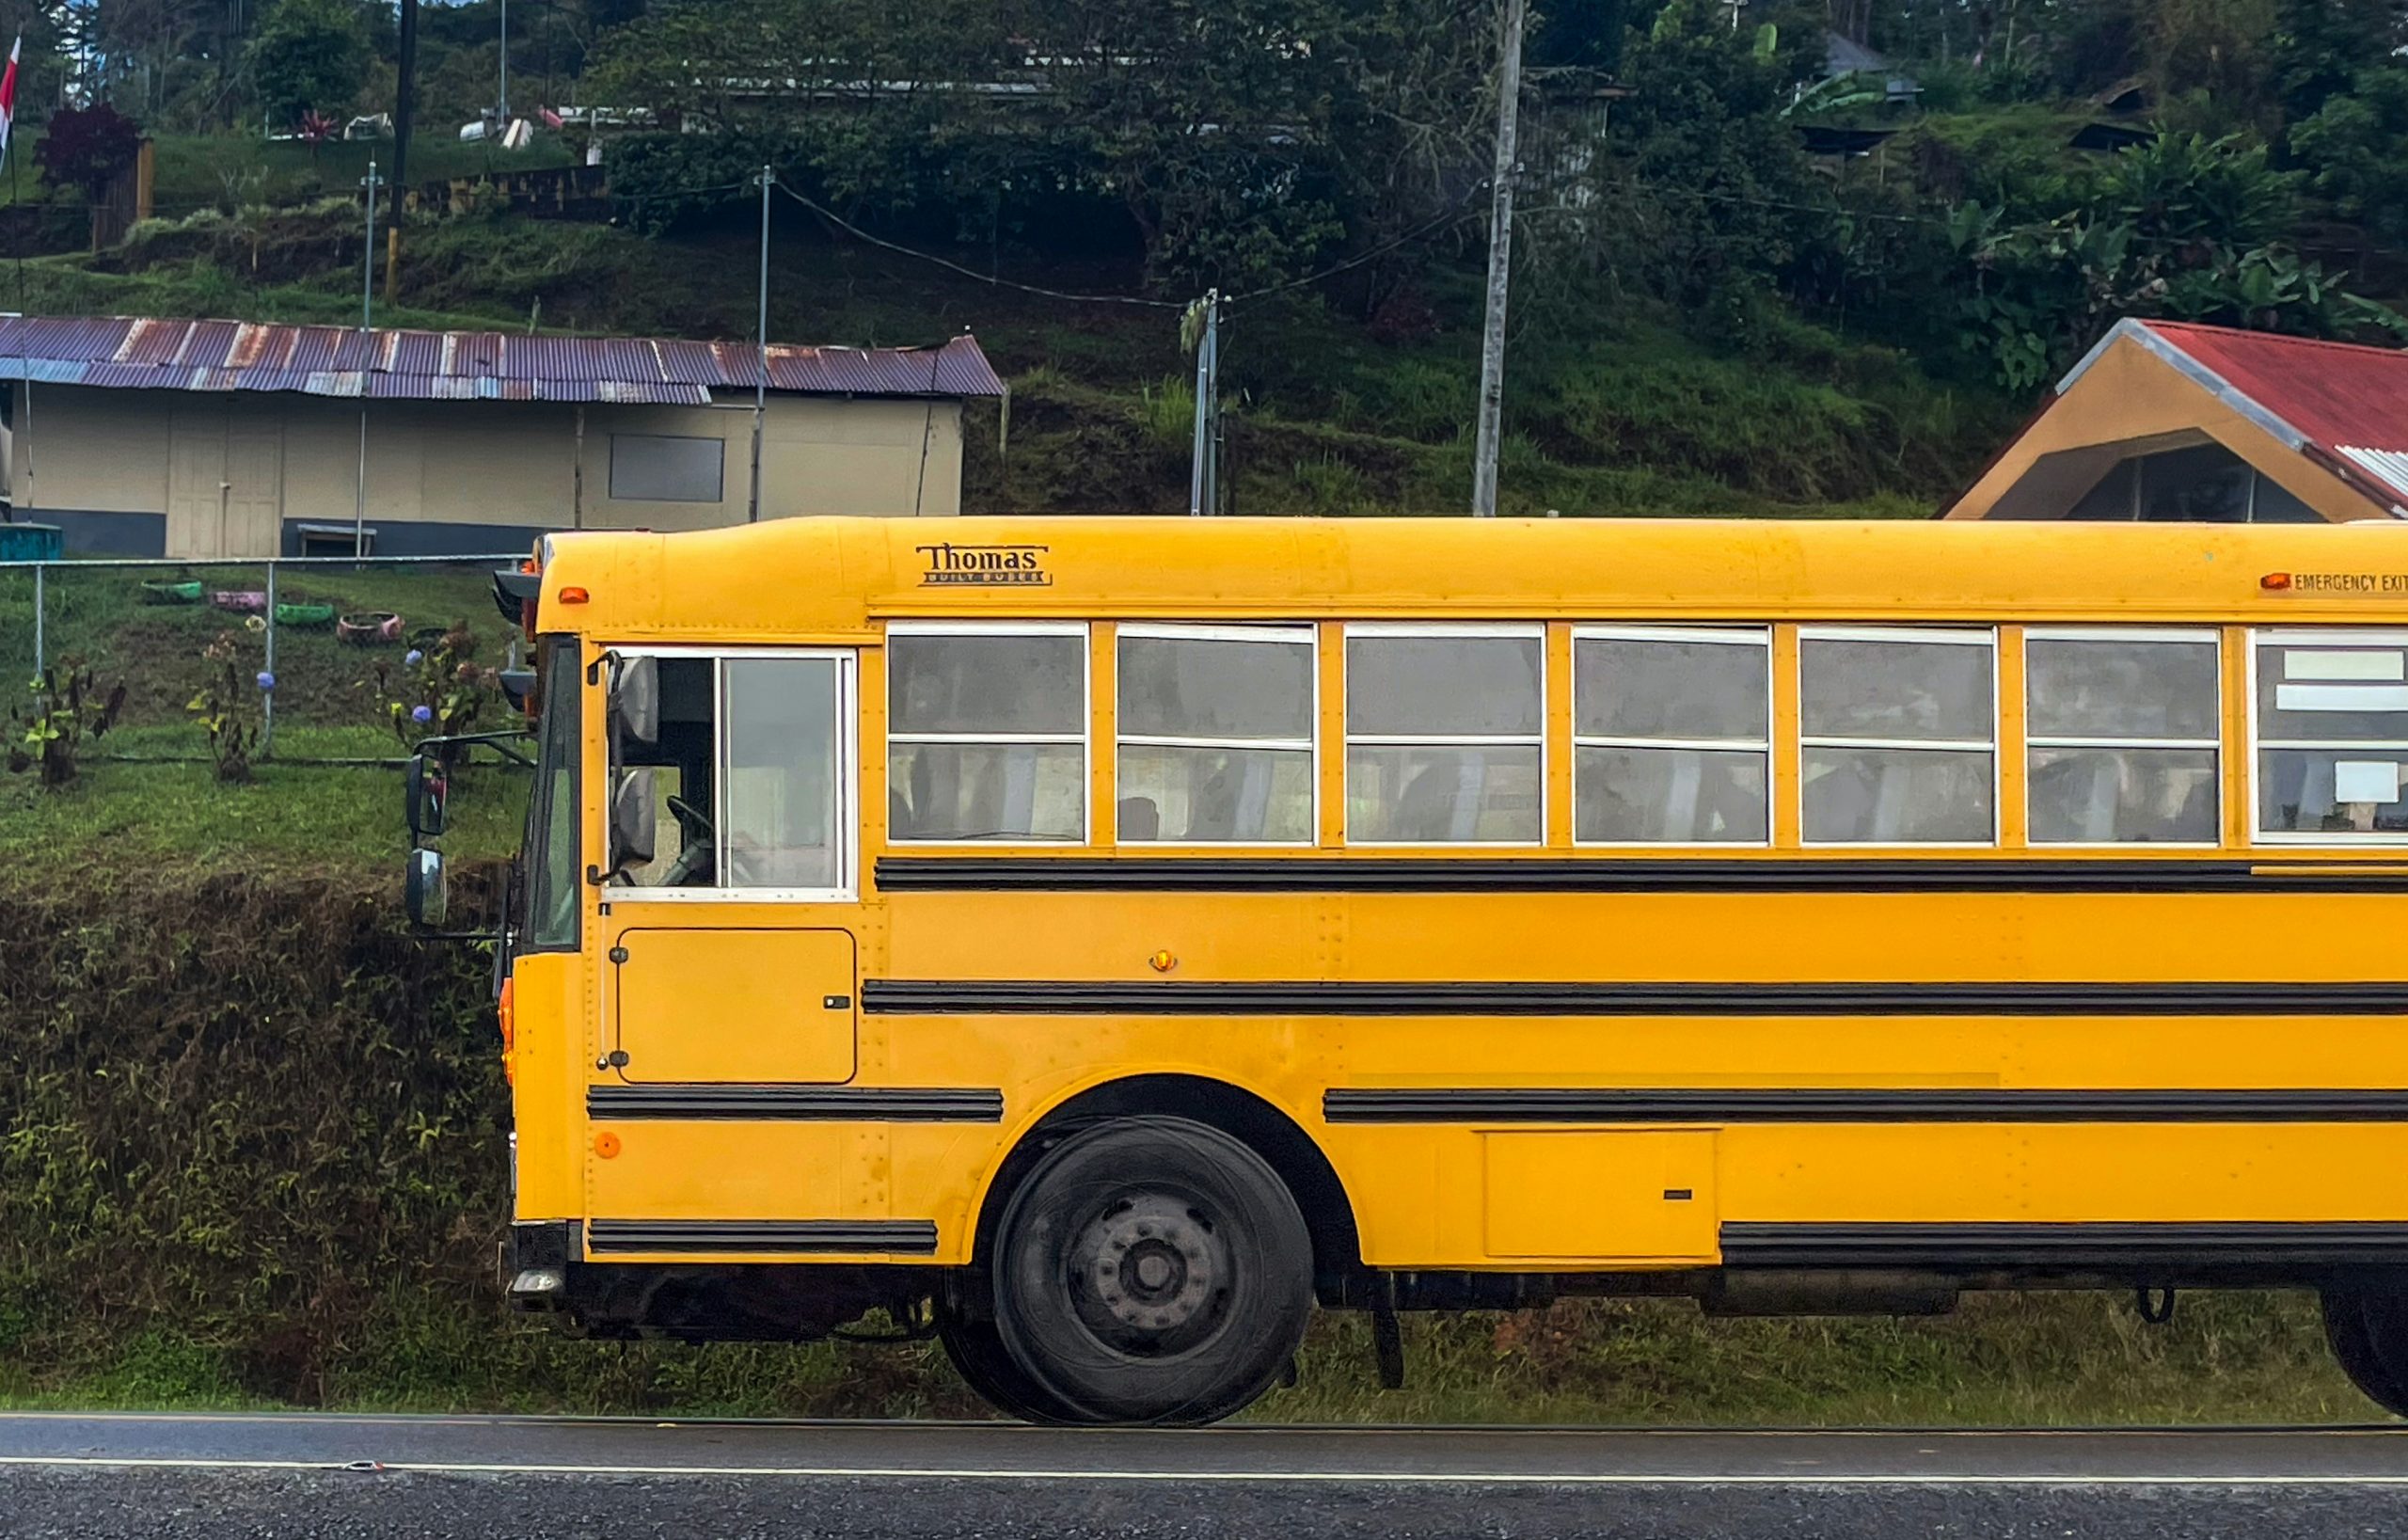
point(424, 893)
point(635, 818)
point(635, 699)
point(426, 786)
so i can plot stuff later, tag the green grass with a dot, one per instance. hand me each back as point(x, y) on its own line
point(2048, 1360)
point(101, 615)
point(291, 818)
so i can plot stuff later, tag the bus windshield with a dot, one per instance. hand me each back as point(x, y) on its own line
point(550, 920)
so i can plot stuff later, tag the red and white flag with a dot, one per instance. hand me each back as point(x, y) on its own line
point(9, 98)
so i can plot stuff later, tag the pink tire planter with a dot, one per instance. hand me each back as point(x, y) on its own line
point(370, 628)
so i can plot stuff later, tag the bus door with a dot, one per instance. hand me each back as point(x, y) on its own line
point(729, 945)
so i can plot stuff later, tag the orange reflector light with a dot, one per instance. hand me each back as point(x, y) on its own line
point(574, 596)
point(606, 1144)
point(506, 1008)
point(2275, 580)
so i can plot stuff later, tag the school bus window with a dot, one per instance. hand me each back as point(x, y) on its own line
point(747, 763)
point(551, 891)
point(2121, 730)
point(1899, 733)
point(987, 734)
point(1216, 735)
point(672, 749)
point(784, 758)
point(1445, 735)
point(2332, 733)
point(1672, 732)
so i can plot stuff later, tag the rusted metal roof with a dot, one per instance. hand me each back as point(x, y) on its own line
point(137, 353)
point(2334, 401)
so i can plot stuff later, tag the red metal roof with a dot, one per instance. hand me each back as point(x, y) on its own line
point(127, 352)
point(2339, 402)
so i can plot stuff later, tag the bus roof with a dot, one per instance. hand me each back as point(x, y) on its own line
point(832, 577)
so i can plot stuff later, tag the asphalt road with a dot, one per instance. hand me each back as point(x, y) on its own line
point(367, 1478)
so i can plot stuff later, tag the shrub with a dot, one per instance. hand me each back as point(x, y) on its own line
point(65, 712)
point(227, 712)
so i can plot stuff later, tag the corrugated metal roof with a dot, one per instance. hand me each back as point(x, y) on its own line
point(2389, 465)
point(136, 353)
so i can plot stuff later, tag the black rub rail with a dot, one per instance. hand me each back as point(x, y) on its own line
point(2065, 1247)
point(784, 1237)
point(1858, 1105)
point(796, 1104)
point(1606, 874)
point(1054, 997)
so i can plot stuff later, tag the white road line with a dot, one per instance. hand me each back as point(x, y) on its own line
point(1228, 1432)
point(1345, 1478)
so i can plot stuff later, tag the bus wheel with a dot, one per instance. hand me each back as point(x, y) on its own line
point(977, 1354)
point(1152, 1270)
point(2368, 1333)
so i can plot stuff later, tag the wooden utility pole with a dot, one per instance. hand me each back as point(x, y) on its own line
point(404, 117)
point(1501, 261)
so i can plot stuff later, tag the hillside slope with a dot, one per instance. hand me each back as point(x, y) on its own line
point(1614, 406)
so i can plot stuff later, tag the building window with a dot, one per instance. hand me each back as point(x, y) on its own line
point(1671, 732)
point(1217, 734)
point(1446, 734)
point(657, 468)
point(1899, 731)
point(2122, 730)
point(2198, 484)
point(987, 733)
point(2331, 724)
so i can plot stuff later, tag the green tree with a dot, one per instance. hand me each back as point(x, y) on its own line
point(1239, 138)
point(2186, 227)
point(310, 54)
point(1707, 180)
point(2354, 151)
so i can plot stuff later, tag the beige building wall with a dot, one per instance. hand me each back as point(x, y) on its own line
point(2129, 394)
point(819, 455)
point(119, 466)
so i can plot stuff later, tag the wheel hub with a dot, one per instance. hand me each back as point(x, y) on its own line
point(1149, 1274)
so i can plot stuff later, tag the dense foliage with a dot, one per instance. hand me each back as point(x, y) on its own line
point(1996, 185)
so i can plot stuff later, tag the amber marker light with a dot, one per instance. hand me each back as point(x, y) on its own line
point(573, 595)
point(606, 1144)
point(1162, 961)
point(506, 1008)
point(2274, 582)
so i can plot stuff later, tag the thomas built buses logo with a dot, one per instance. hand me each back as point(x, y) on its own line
point(986, 566)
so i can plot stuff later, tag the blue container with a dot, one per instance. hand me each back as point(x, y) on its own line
point(31, 542)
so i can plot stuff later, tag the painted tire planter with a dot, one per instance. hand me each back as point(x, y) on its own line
point(171, 592)
point(369, 627)
point(241, 602)
point(304, 616)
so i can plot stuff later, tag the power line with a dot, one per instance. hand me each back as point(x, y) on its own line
point(1402, 238)
point(855, 231)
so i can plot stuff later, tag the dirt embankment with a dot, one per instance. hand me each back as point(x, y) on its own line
point(237, 1111)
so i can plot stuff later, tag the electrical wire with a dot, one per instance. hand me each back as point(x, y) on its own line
point(857, 232)
point(1406, 237)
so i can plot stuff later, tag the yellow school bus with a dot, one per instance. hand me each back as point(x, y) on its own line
point(1098, 941)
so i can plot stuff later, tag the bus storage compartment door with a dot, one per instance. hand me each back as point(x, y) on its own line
point(1601, 1197)
point(758, 1005)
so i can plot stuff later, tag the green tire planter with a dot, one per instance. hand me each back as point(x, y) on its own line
point(171, 592)
point(305, 616)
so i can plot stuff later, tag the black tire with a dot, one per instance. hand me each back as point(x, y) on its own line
point(1152, 1271)
point(976, 1352)
point(2369, 1335)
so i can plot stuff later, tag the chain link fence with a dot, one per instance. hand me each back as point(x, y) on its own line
point(326, 659)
